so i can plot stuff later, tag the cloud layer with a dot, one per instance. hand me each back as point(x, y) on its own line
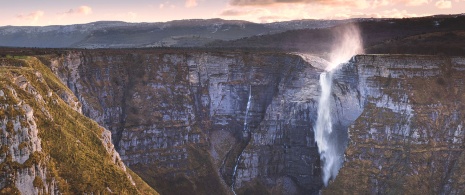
point(190, 3)
point(33, 16)
point(342, 3)
point(442, 4)
point(279, 10)
point(85, 10)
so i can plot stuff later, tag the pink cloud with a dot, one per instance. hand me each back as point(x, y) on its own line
point(442, 4)
point(337, 3)
point(350, 3)
point(414, 2)
point(190, 3)
point(85, 10)
point(33, 16)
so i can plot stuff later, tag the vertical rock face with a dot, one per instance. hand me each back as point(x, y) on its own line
point(281, 136)
point(409, 137)
point(180, 119)
point(237, 122)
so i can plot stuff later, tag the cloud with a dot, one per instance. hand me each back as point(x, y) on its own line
point(442, 4)
point(351, 3)
point(190, 3)
point(33, 16)
point(253, 2)
point(277, 10)
point(392, 13)
point(414, 2)
point(85, 10)
point(338, 3)
point(168, 4)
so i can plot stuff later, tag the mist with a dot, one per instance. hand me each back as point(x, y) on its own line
point(347, 43)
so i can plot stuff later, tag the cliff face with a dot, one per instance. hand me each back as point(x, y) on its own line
point(224, 122)
point(204, 121)
point(47, 145)
point(409, 138)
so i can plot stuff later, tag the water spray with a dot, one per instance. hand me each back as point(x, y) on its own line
point(348, 43)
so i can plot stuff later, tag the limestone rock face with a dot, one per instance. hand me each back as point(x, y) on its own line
point(204, 122)
point(409, 137)
point(20, 144)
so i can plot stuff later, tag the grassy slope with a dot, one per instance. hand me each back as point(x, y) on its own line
point(72, 149)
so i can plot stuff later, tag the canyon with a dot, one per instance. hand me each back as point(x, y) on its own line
point(209, 121)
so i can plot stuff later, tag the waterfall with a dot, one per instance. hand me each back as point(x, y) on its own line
point(249, 103)
point(323, 129)
point(234, 174)
point(348, 43)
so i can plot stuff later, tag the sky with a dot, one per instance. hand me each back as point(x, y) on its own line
point(62, 12)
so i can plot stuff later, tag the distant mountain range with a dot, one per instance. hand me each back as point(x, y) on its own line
point(439, 34)
point(115, 34)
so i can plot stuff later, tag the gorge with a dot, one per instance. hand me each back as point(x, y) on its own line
point(224, 122)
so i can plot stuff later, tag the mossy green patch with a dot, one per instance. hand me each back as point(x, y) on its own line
point(71, 146)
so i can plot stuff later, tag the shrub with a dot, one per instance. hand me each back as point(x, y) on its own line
point(38, 183)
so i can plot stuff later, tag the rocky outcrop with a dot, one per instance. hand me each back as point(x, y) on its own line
point(46, 145)
point(409, 137)
point(20, 145)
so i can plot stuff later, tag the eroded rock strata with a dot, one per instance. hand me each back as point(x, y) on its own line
point(216, 122)
point(180, 120)
point(409, 138)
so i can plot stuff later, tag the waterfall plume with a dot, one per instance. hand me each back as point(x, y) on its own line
point(347, 43)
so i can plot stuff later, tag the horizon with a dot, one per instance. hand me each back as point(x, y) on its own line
point(49, 12)
point(201, 19)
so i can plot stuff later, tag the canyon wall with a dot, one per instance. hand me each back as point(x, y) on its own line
point(204, 122)
point(409, 139)
point(208, 122)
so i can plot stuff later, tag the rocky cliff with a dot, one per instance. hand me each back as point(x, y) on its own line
point(203, 122)
point(409, 138)
point(47, 145)
point(207, 122)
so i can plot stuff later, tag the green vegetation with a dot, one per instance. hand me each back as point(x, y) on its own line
point(143, 187)
point(10, 189)
point(38, 183)
point(71, 147)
